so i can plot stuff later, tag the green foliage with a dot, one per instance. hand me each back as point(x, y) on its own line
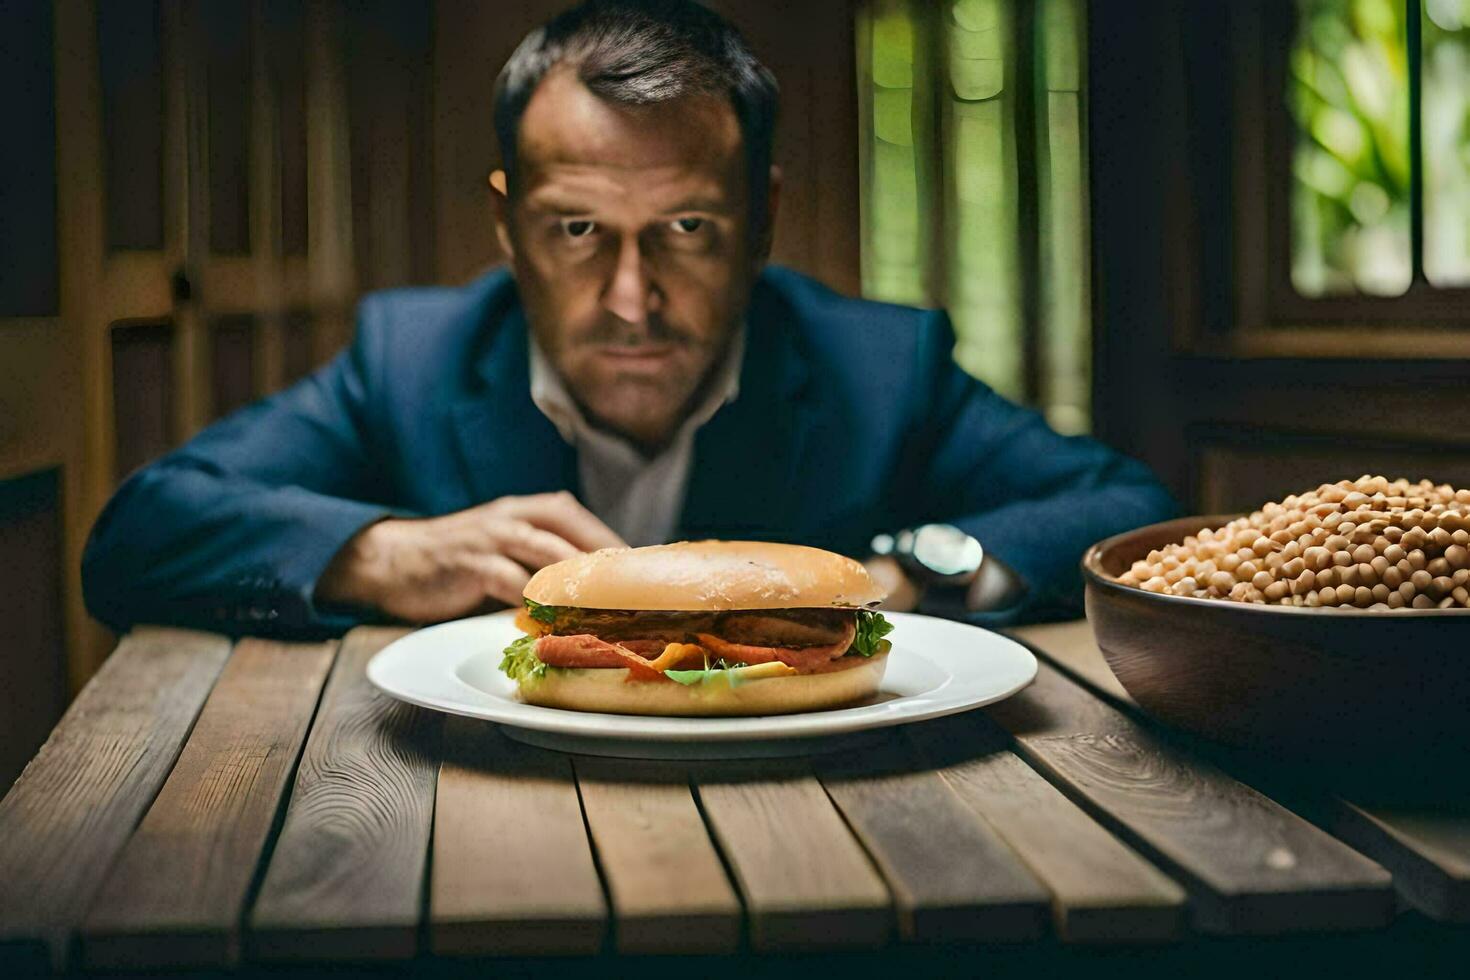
point(1349, 95)
point(942, 193)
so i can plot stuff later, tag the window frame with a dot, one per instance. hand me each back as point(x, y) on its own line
point(1271, 317)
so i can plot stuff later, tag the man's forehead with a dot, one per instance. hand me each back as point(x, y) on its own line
point(568, 127)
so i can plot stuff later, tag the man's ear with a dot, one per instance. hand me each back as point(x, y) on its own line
point(500, 202)
point(768, 230)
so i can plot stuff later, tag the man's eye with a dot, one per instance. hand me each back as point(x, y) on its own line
point(579, 228)
point(688, 226)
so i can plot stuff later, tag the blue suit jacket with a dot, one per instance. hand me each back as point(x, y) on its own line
point(852, 418)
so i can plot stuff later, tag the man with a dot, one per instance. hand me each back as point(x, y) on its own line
point(636, 376)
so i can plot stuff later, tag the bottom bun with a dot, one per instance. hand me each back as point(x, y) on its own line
point(607, 689)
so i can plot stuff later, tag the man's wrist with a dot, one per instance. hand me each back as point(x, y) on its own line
point(357, 573)
point(996, 586)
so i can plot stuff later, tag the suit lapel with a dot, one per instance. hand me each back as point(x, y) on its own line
point(506, 444)
point(747, 457)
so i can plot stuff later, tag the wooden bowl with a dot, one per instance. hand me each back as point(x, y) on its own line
point(1308, 682)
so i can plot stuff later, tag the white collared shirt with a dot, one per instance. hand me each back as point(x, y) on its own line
point(639, 497)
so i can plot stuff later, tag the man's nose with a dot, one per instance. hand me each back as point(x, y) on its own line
point(630, 294)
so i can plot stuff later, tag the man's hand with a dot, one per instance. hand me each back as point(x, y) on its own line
point(432, 569)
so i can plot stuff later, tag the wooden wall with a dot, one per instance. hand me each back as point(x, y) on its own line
point(194, 196)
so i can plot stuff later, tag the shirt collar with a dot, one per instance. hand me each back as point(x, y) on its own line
point(551, 396)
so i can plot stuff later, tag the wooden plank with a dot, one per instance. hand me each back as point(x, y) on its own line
point(177, 894)
point(952, 878)
point(1426, 846)
point(512, 872)
point(1250, 865)
point(346, 877)
point(71, 811)
point(1071, 647)
point(805, 880)
point(1102, 891)
point(668, 890)
point(1424, 843)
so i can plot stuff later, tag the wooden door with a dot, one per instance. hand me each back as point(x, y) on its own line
point(180, 243)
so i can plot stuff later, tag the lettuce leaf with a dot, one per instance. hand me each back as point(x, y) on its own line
point(871, 628)
point(705, 674)
point(520, 662)
point(540, 613)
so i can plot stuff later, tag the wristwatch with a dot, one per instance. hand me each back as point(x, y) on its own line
point(933, 554)
point(946, 564)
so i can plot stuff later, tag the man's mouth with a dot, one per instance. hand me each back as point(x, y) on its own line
point(640, 356)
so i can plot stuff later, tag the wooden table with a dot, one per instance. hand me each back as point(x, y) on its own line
point(240, 806)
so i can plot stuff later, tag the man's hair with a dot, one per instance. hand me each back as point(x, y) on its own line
point(643, 52)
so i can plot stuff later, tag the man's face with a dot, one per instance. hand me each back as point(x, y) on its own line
point(630, 242)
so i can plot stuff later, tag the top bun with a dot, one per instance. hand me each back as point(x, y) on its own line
point(706, 575)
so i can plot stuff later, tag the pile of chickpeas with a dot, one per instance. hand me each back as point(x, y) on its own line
point(1369, 543)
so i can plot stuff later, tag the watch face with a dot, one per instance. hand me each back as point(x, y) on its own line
point(946, 551)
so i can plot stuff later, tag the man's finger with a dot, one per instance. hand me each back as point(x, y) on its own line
point(502, 579)
point(562, 514)
point(529, 545)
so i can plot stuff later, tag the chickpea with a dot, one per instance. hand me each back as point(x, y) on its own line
point(1365, 543)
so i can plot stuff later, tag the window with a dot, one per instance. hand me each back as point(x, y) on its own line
point(1379, 94)
point(973, 122)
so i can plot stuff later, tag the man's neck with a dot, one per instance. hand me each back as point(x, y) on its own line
point(720, 381)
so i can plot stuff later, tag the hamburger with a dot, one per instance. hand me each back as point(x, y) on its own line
point(700, 628)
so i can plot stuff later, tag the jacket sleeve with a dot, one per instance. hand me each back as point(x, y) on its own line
point(1032, 497)
point(231, 531)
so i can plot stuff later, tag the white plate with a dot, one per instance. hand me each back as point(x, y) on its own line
point(937, 667)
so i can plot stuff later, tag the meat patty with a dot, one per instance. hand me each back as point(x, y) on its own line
point(792, 628)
